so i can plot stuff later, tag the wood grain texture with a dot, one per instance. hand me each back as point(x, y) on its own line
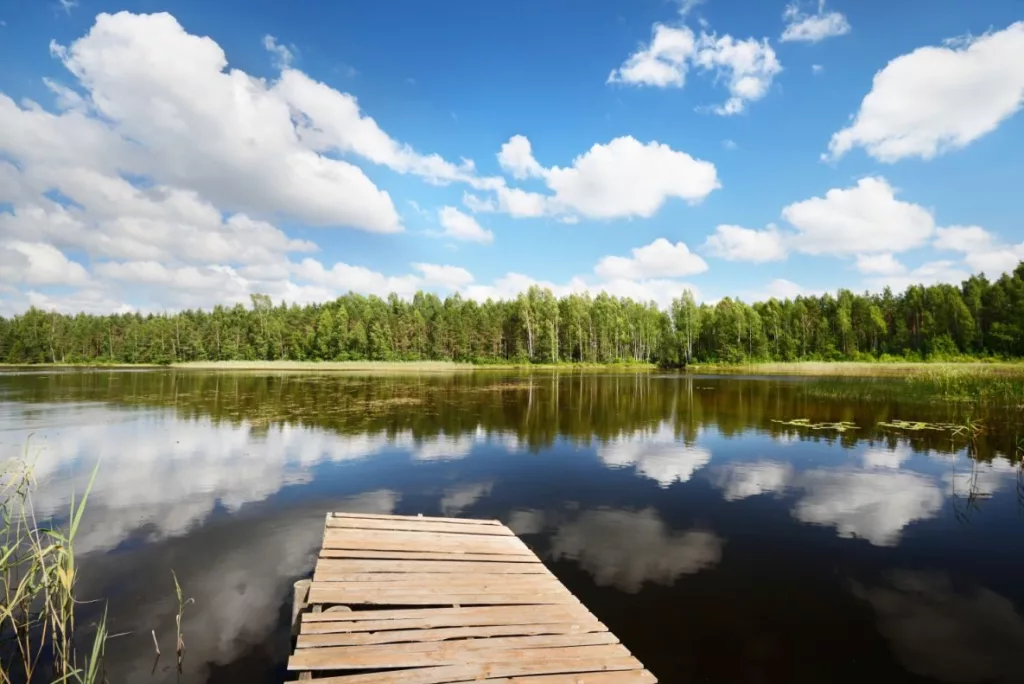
point(406, 526)
point(367, 554)
point(495, 671)
point(436, 600)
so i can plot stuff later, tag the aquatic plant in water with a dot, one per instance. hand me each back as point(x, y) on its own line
point(841, 426)
point(39, 633)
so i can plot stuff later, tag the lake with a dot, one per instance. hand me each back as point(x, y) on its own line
point(718, 544)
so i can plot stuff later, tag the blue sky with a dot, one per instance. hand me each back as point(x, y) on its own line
point(734, 148)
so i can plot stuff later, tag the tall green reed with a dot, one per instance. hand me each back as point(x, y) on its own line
point(39, 633)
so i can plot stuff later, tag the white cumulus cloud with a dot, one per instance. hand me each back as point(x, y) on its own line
point(982, 251)
point(628, 178)
point(936, 99)
point(884, 264)
point(662, 63)
point(623, 178)
point(660, 259)
point(736, 243)
point(812, 28)
point(516, 157)
point(747, 67)
point(38, 263)
point(460, 226)
point(866, 218)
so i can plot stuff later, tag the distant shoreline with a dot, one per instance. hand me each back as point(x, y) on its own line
point(819, 368)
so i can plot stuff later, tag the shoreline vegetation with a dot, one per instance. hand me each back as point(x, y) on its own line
point(877, 368)
point(979, 319)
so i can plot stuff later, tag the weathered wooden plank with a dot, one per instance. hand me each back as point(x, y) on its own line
point(366, 554)
point(627, 677)
point(622, 666)
point(417, 518)
point(389, 540)
point(413, 526)
point(514, 622)
point(594, 646)
point(454, 617)
point(412, 579)
point(391, 636)
point(389, 566)
point(447, 598)
point(633, 677)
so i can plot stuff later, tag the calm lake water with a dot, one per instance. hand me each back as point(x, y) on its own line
point(719, 545)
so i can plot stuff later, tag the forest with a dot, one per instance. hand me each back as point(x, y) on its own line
point(980, 318)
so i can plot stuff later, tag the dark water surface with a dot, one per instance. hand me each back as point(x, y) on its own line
point(718, 545)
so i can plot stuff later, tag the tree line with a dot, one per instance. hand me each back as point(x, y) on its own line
point(978, 318)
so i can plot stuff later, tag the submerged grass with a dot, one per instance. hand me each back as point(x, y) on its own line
point(38, 630)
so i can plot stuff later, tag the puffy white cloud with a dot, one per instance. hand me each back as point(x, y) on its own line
point(165, 166)
point(937, 99)
point(662, 63)
point(451, 277)
point(460, 226)
point(516, 157)
point(657, 454)
point(222, 279)
point(997, 261)
point(866, 218)
point(625, 548)
point(736, 243)
point(523, 204)
point(963, 239)
point(884, 264)
point(817, 68)
point(38, 263)
point(743, 480)
point(812, 28)
point(747, 66)
point(621, 179)
point(628, 178)
point(344, 277)
point(660, 259)
point(873, 505)
point(982, 251)
point(195, 124)
point(111, 218)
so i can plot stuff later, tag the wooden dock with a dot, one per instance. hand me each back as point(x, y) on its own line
point(415, 600)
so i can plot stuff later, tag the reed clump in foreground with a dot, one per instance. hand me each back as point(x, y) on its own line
point(39, 634)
